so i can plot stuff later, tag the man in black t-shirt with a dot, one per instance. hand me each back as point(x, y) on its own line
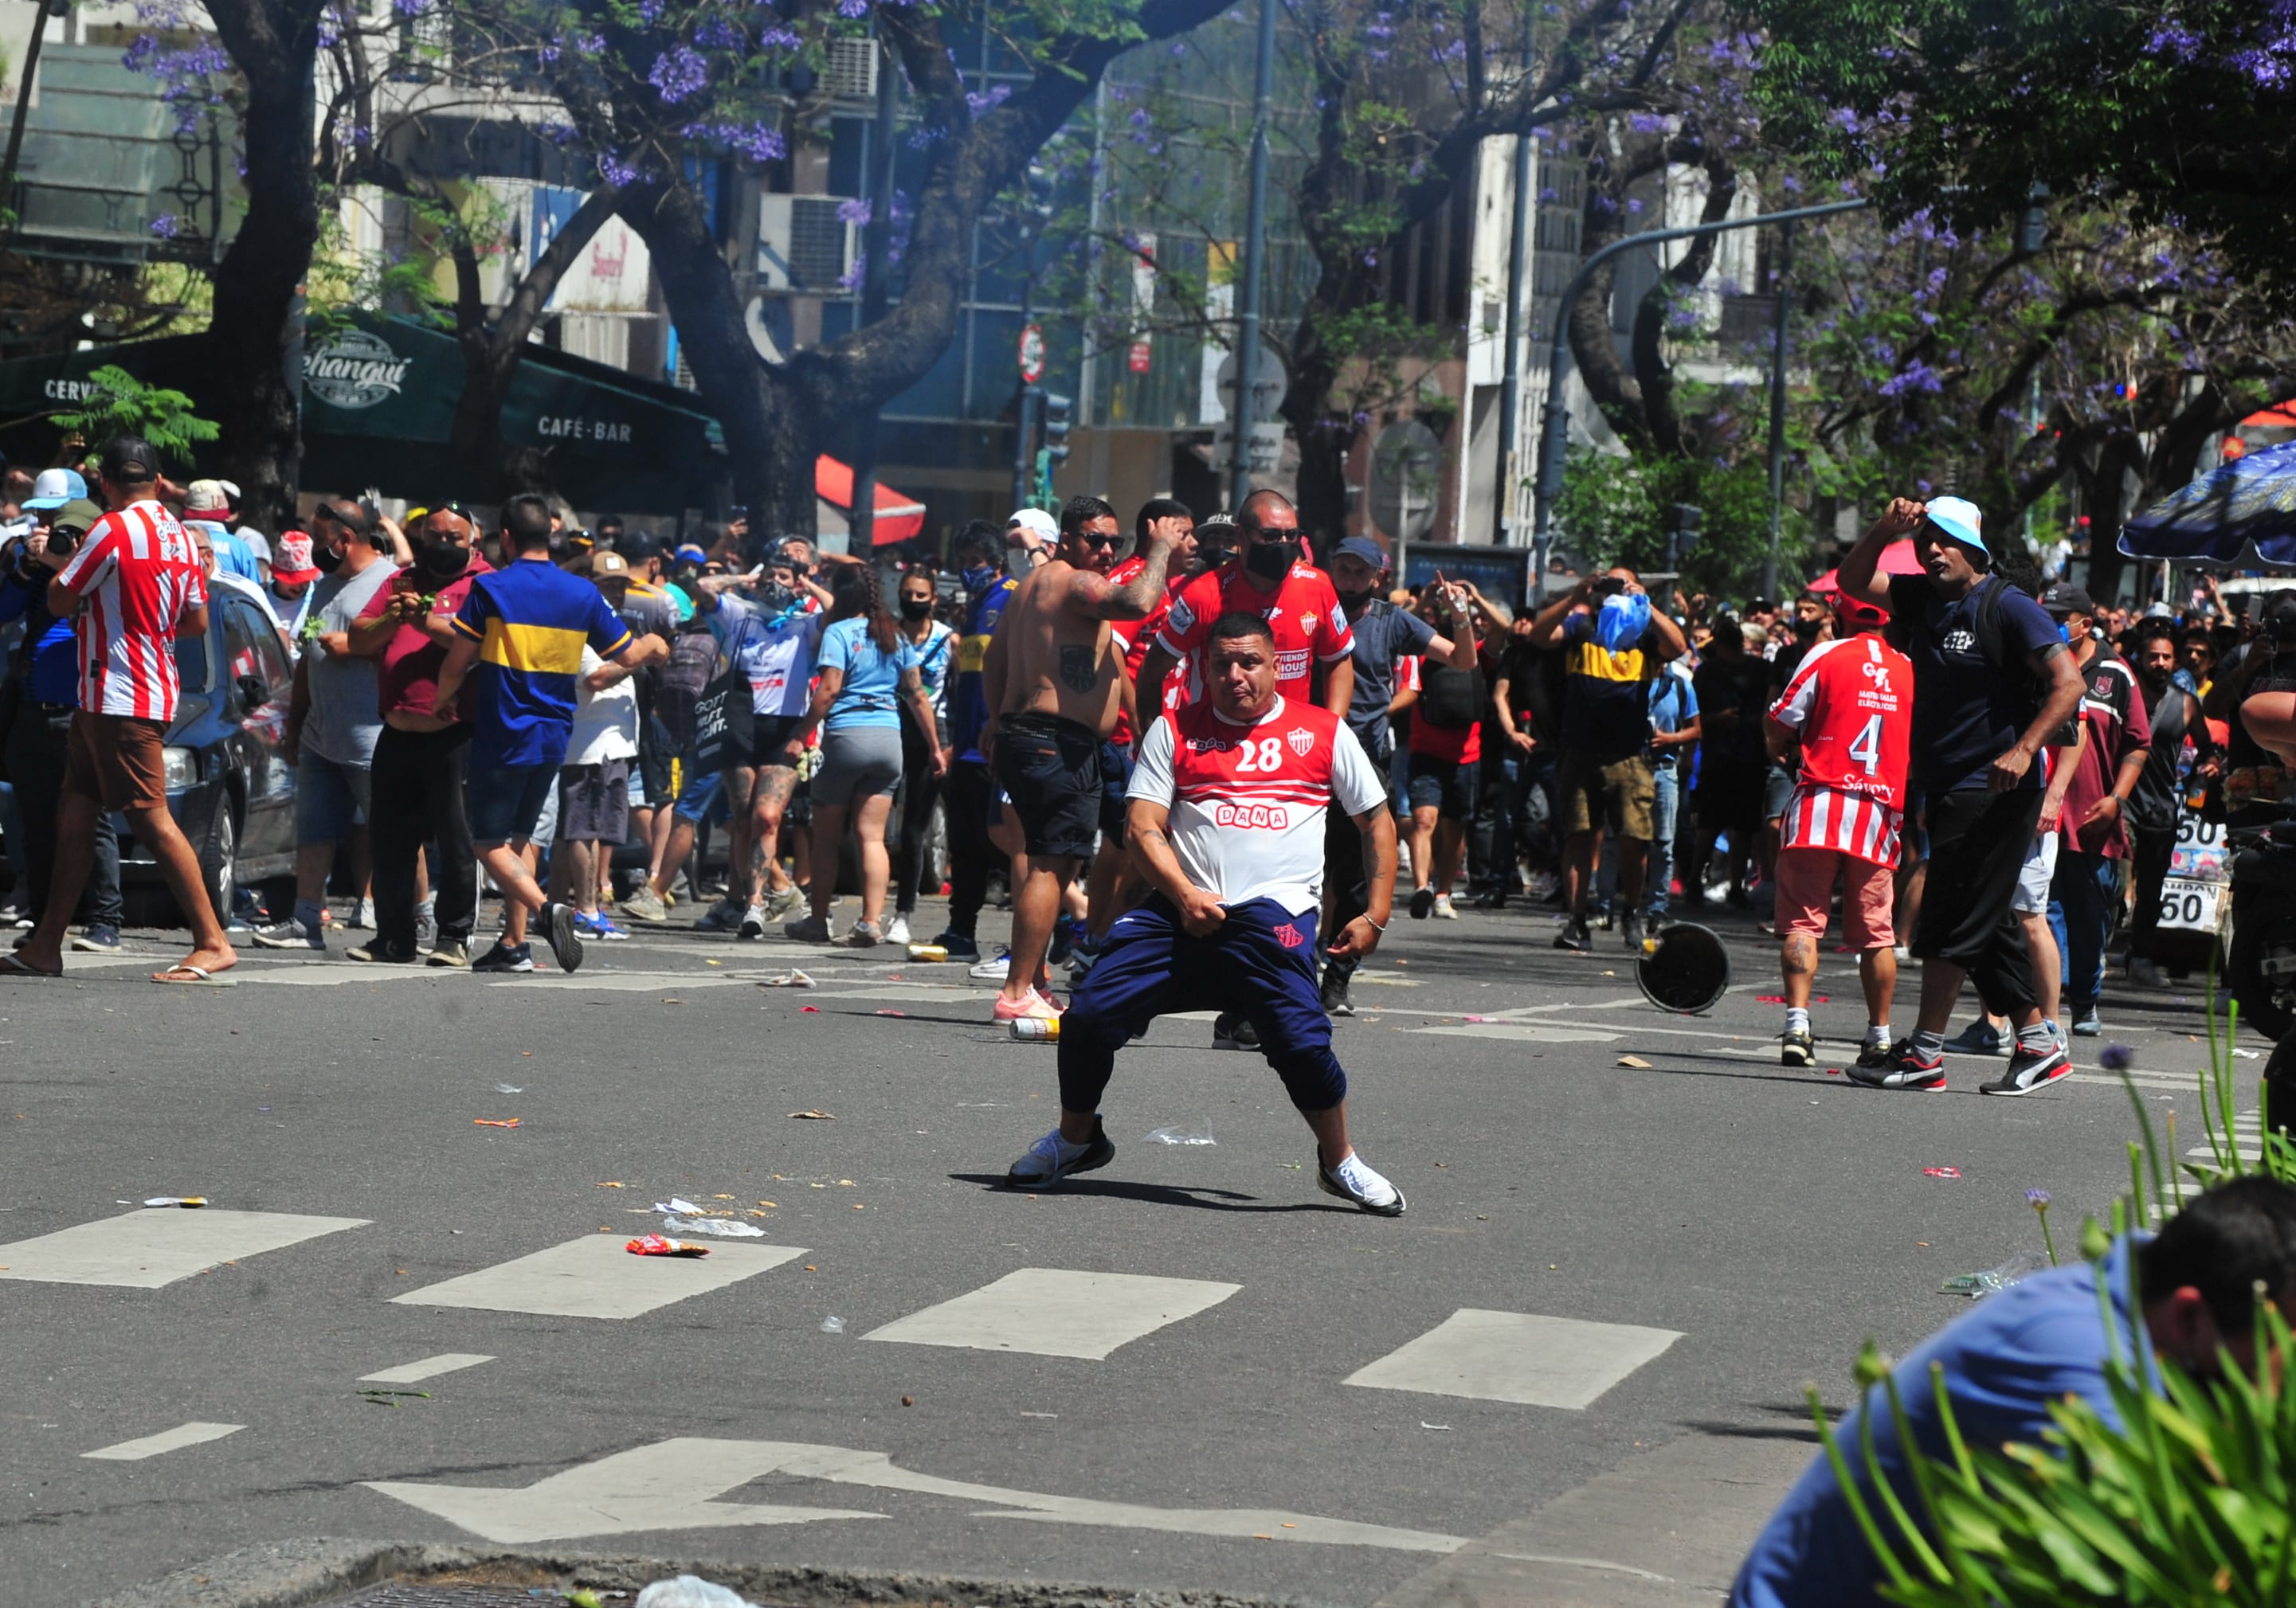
point(1992, 684)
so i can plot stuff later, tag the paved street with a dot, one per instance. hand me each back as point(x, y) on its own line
point(1153, 1378)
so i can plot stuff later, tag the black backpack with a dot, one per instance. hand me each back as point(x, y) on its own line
point(1452, 700)
point(2017, 675)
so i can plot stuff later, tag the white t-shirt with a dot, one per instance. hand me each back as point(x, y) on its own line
point(605, 723)
point(777, 652)
point(1247, 803)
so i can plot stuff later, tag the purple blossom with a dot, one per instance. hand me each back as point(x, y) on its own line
point(716, 33)
point(854, 212)
point(168, 225)
point(2116, 1057)
point(982, 101)
point(1915, 376)
point(2037, 1199)
point(852, 8)
point(615, 171)
point(758, 142)
point(678, 74)
point(774, 36)
point(590, 45)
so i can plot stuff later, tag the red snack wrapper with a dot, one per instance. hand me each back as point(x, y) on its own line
point(654, 1244)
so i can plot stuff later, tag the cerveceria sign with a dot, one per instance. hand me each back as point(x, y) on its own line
point(355, 370)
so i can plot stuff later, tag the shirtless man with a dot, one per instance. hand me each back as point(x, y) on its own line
point(1053, 687)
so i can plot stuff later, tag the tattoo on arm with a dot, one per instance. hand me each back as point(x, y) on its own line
point(1079, 666)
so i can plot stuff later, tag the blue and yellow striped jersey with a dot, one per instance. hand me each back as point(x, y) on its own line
point(531, 620)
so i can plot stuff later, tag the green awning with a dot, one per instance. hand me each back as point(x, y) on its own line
point(378, 401)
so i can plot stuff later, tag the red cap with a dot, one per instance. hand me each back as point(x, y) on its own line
point(1859, 615)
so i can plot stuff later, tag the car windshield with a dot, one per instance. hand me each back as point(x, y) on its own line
point(191, 662)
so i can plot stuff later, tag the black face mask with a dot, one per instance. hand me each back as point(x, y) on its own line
point(442, 561)
point(1808, 630)
point(916, 609)
point(1355, 602)
point(1270, 560)
point(326, 561)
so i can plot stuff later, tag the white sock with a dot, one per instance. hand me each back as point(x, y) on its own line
point(1797, 1019)
point(1877, 1033)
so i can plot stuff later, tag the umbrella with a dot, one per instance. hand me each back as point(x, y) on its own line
point(1896, 560)
point(2248, 502)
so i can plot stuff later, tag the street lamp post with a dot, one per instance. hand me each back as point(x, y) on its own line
point(1555, 434)
point(1255, 249)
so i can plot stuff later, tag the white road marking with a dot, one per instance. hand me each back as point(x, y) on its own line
point(1522, 1032)
point(594, 1277)
point(1517, 1356)
point(149, 1249)
point(429, 1368)
point(167, 1440)
point(674, 1484)
point(1058, 1312)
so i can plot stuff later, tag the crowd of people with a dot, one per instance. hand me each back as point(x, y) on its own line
point(568, 715)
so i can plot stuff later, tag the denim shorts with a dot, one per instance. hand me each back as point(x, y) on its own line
point(330, 798)
point(506, 801)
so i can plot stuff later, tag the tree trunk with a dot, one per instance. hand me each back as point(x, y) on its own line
point(256, 285)
point(493, 348)
point(1653, 374)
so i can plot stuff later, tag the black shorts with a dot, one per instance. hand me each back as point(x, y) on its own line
point(1115, 777)
point(657, 751)
point(1050, 769)
point(770, 735)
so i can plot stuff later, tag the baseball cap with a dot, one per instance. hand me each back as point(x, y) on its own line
point(55, 487)
point(129, 460)
point(78, 514)
point(1958, 517)
point(1036, 521)
point(605, 561)
point(257, 542)
point(291, 561)
point(1364, 548)
point(2065, 597)
point(207, 497)
point(1858, 614)
point(691, 554)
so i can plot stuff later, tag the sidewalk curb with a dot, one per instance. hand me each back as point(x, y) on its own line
point(316, 1570)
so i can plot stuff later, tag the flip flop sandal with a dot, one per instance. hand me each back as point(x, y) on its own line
point(12, 965)
point(200, 977)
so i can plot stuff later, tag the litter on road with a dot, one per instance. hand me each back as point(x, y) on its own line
point(655, 1245)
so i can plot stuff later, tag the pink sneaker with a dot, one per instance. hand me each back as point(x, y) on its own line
point(1033, 1007)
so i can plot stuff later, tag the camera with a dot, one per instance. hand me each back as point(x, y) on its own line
point(1610, 586)
point(64, 540)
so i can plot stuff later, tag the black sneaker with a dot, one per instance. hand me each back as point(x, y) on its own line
point(503, 958)
point(1422, 903)
point(959, 947)
point(1795, 1048)
point(1232, 1031)
point(1901, 1067)
point(1048, 1160)
point(1575, 937)
point(1873, 1054)
point(379, 953)
point(1336, 1002)
point(1631, 927)
point(2029, 1069)
point(559, 931)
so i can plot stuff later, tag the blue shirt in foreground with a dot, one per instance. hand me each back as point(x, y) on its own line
point(531, 620)
point(871, 693)
point(2005, 1362)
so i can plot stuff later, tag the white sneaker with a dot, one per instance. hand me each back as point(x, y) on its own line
point(994, 970)
point(896, 930)
point(1353, 1179)
point(1053, 1158)
point(1443, 911)
point(753, 924)
point(362, 915)
point(782, 901)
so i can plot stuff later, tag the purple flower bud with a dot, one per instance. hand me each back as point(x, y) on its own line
point(2116, 1057)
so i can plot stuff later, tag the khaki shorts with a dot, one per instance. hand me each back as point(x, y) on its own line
point(1619, 796)
point(117, 761)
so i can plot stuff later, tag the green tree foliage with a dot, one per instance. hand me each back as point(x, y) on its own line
point(1619, 509)
point(124, 406)
point(2177, 111)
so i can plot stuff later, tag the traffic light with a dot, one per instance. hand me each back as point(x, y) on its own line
point(1059, 414)
point(1682, 534)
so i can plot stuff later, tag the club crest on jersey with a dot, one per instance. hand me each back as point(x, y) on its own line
point(1288, 936)
point(1301, 739)
point(1307, 622)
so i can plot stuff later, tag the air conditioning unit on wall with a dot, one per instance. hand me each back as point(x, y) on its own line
point(851, 74)
point(804, 243)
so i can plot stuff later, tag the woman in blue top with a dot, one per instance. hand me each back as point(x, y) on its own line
point(936, 647)
point(865, 672)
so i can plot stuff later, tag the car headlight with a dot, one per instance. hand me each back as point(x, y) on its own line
point(182, 767)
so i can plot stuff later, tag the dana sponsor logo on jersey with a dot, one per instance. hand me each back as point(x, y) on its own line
point(1272, 818)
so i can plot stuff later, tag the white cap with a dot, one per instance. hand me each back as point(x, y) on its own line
point(1036, 521)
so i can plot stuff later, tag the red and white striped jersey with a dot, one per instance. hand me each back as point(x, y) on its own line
point(1247, 802)
point(137, 573)
point(1851, 701)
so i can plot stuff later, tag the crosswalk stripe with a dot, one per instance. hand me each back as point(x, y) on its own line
point(1058, 1312)
point(148, 1250)
point(595, 1276)
point(1520, 1357)
point(194, 1434)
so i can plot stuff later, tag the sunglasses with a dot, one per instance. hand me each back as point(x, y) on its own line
point(1092, 538)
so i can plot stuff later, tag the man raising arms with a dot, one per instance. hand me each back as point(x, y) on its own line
point(1053, 687)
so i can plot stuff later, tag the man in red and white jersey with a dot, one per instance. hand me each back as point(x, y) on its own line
point(1268, 579)
point(1851, 701)
point(135, 584)
point(1226, 816)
